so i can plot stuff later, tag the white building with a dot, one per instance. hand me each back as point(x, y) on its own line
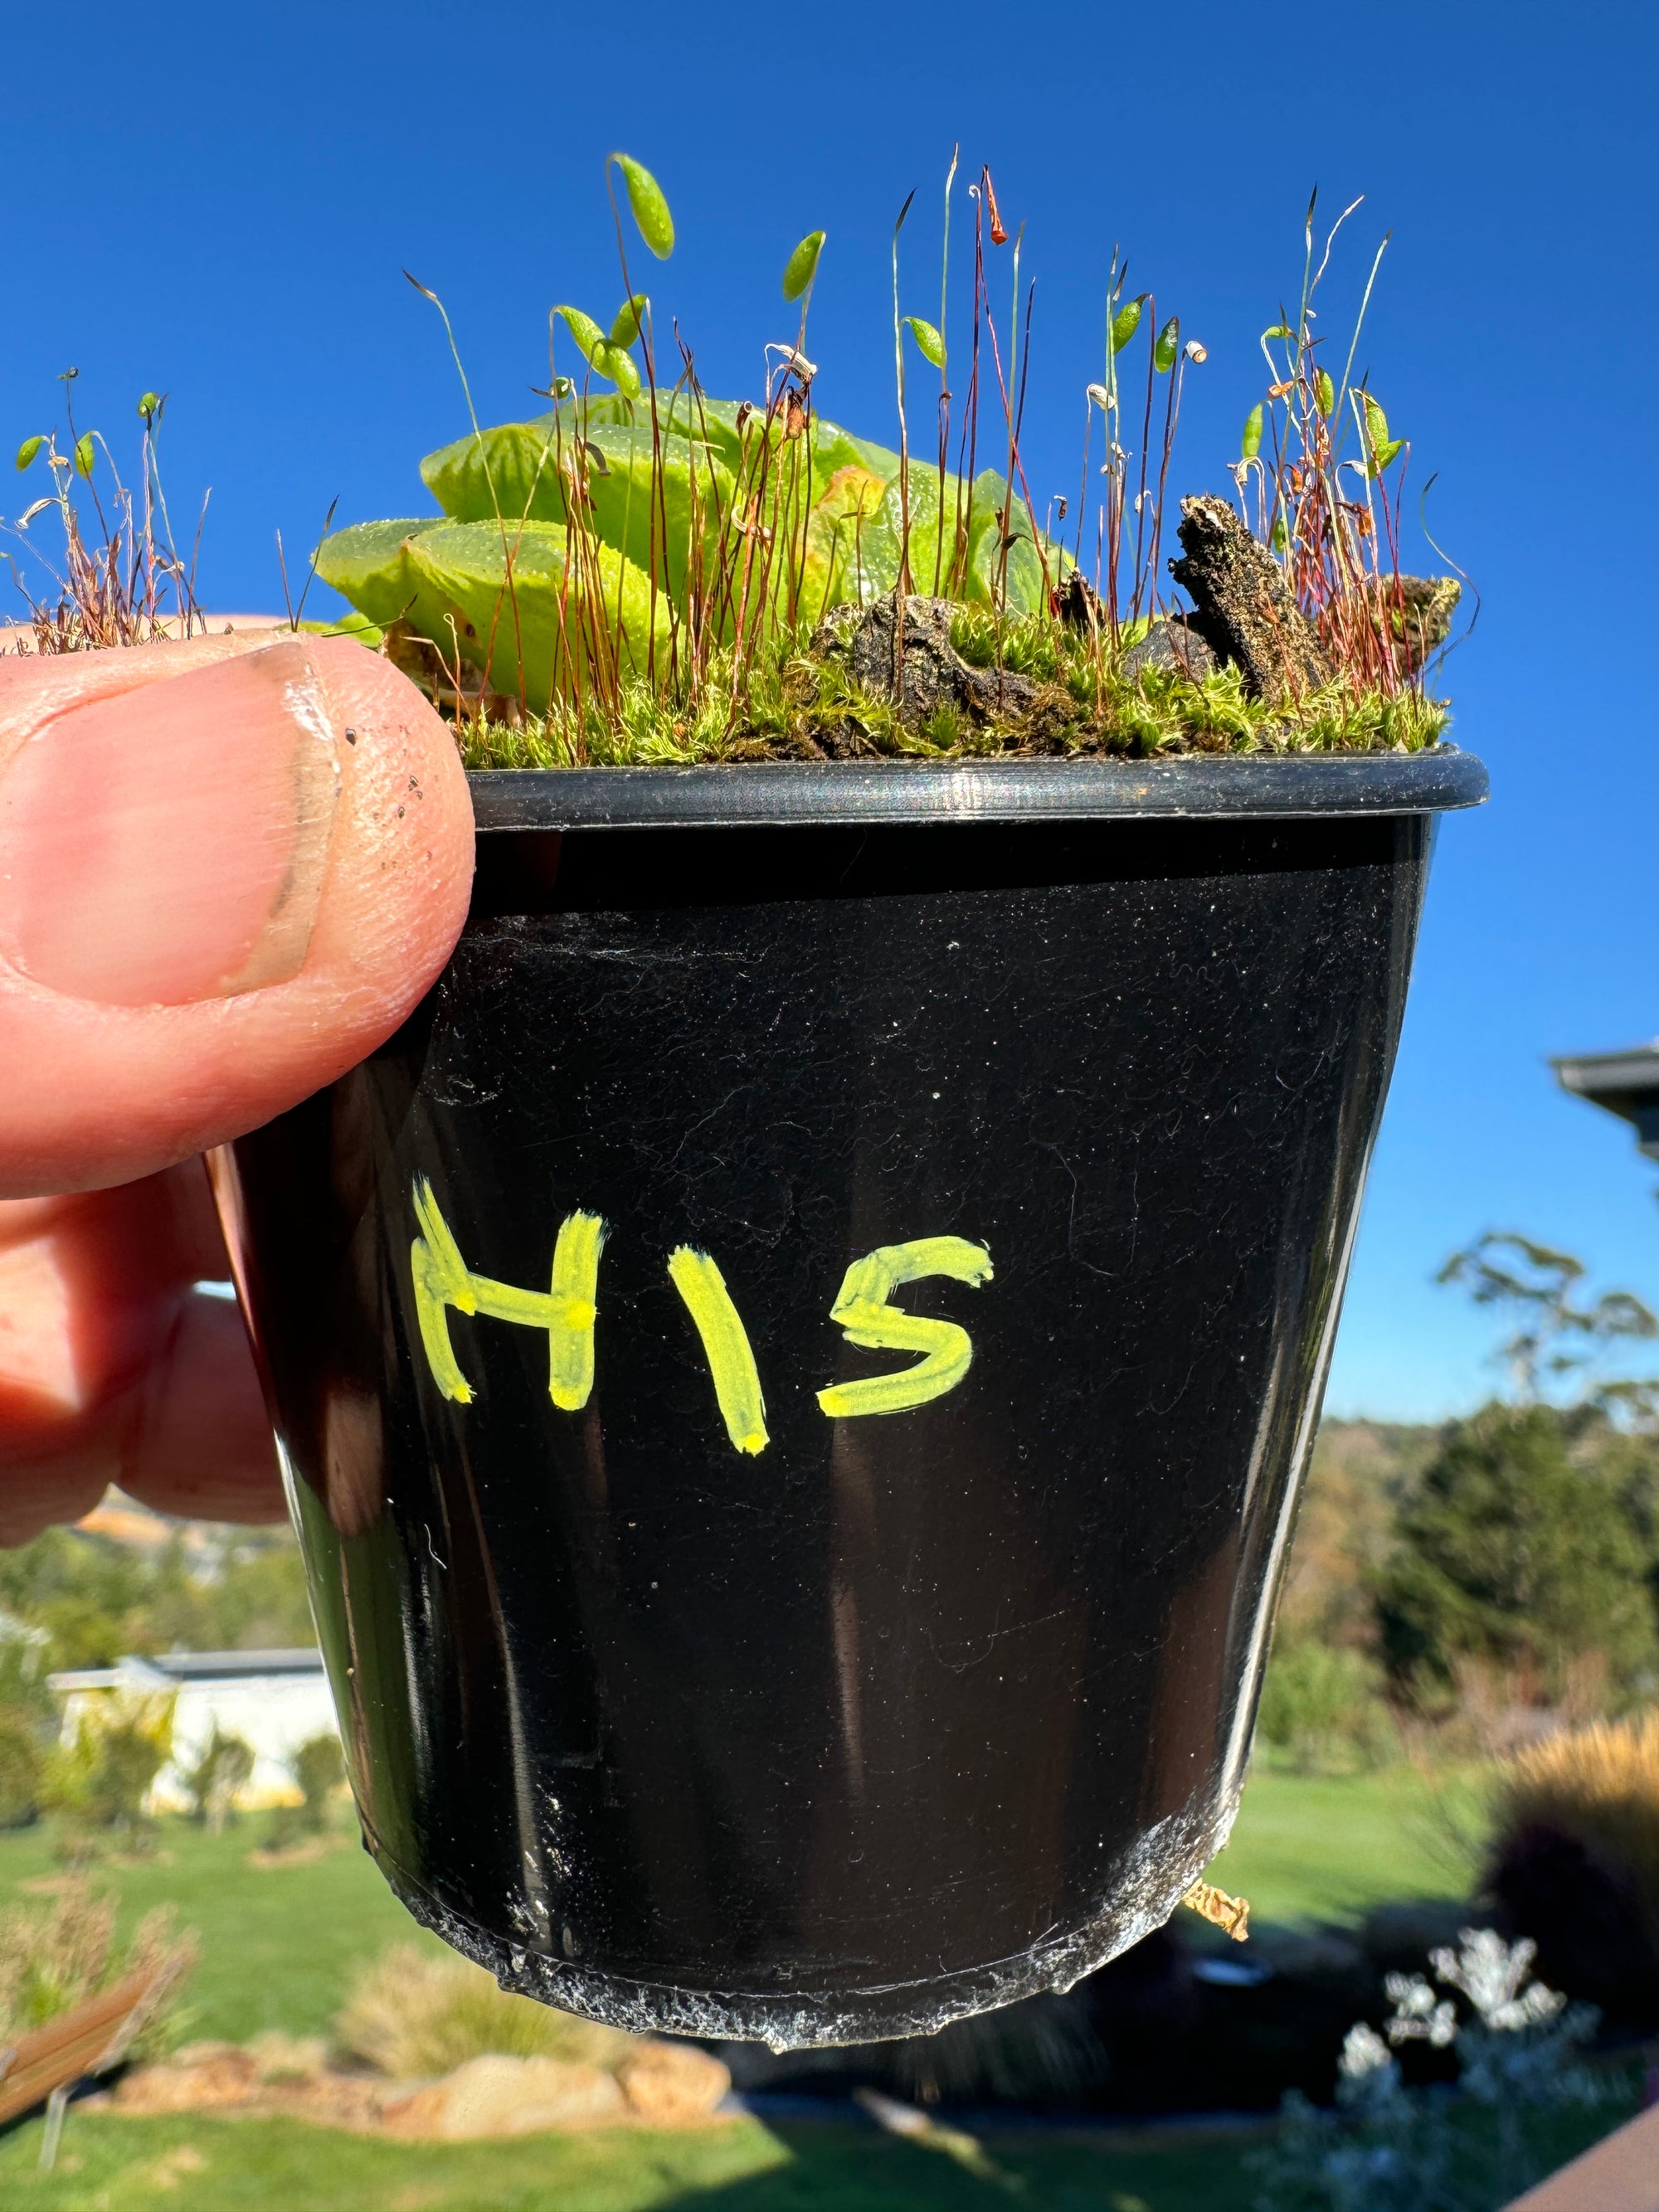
point(275, 1701)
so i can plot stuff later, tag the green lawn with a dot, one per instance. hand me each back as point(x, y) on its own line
point(198, 2164)
point(1310, 1848)
point(279, 1945)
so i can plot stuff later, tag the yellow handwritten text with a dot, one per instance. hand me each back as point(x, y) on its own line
point(725, 1347)
point(567, 1309)
point(870, 1322)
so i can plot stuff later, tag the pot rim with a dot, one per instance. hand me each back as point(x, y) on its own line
point(798, 794)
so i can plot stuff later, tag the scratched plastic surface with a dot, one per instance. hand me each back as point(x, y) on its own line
point(902, 1714)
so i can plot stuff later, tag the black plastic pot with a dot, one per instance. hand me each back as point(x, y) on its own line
point(673, 1690)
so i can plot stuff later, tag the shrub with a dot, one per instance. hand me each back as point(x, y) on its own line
point(219, 1773)
point(1601, 1784)
point(1386, 2147)
point(23, 1770)
point(318, 1769)
point(28, 1719)
point(1320, 1706)
point(53, 1958)
point(101, 1778)
point(412, 2016)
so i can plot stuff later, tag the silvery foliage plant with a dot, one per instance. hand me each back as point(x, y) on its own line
point(1386, 2147)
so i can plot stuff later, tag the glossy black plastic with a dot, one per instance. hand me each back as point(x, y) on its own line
point(905, 1714)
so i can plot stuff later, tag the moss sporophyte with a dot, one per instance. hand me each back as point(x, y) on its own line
point(643, 573)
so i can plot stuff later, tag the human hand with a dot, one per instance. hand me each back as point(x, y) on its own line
point(229, 869)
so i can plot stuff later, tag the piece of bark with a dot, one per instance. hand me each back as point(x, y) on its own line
point(1415, 612)
point(919, 670)
point(1078, 605)
point(1243, 607)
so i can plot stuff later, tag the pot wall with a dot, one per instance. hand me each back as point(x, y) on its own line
point(685, 1695)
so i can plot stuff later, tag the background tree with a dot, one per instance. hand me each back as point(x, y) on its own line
point(317, 1767)
point(96, 1599)
point(1515, 1555)
point(1533, 1538)
point(1555, 1340)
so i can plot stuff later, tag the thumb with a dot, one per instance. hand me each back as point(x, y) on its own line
point(229, 869)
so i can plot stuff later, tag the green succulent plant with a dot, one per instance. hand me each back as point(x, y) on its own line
point(644, 572)
point(581, 532)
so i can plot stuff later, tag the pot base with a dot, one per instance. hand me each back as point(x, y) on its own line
point(1169, 1859)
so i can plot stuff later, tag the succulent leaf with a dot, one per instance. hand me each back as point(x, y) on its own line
point(464, 565)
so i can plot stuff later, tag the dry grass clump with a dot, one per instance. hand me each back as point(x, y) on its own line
point(54, 1958)
point(1599, 1785)
point(119, 578)
point(412, 2016)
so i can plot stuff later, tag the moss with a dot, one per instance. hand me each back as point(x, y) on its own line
point(803, 704)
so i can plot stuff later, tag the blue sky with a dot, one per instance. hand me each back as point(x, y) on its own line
point(218, 204)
